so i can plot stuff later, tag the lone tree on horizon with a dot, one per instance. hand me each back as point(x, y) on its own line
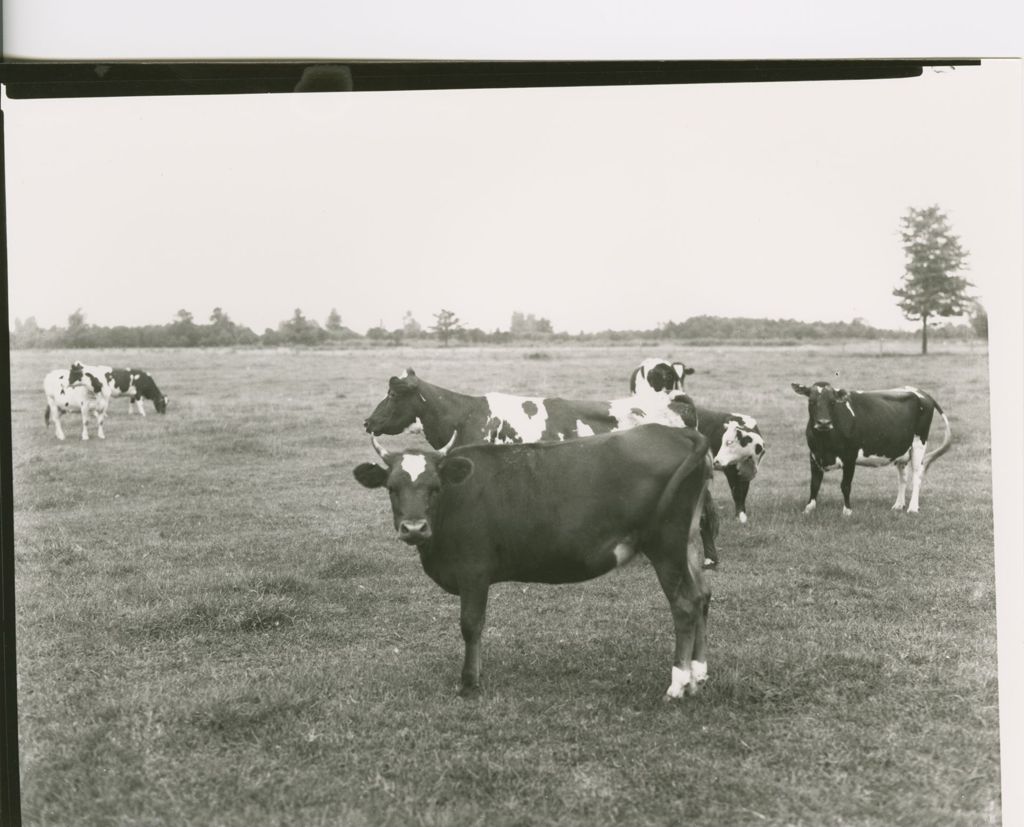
point(446, 323)
point(931, 285)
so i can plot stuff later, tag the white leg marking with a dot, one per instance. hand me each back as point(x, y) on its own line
point(699, 668)
point(680, 680)
point(743, 518)
point(810, 506)
point(85, 420)
point(847, 511)
point(901, 491)
point(917, 452)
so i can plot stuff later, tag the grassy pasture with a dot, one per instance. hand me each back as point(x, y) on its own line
point(216, 626)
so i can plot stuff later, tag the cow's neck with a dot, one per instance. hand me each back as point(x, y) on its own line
point(447, 412)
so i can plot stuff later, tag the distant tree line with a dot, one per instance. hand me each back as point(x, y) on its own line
point(221, 331)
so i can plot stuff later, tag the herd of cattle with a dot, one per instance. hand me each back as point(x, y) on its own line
point(548, 490)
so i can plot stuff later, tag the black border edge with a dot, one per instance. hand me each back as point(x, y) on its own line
point(10, 779)
point(32, 79)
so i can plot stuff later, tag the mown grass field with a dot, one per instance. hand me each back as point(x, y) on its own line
point(216, 625)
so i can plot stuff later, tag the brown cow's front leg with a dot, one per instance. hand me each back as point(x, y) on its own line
point(688, 603)
point(473, 600)
point(846, 486)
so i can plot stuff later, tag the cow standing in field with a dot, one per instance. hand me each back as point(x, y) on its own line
point(138, 385)
point(736, 442)
point(559, 512)
point(874, 428)
point(81, 388)
point(501, 418)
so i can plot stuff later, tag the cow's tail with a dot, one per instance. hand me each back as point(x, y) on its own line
point(700, 458)
point(947, 440)
point(46, 415)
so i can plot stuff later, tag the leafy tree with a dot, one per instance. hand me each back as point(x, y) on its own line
point(333, 322)
point(931, 285)
point(300, 330)
point(445, 324)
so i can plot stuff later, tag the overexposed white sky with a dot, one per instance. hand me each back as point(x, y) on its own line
point(596, 208)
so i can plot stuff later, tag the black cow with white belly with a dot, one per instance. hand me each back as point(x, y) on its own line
point(557, 512)
point(138, 385)
point(873, 428)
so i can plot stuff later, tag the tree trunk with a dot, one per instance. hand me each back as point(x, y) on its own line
point(924, 335)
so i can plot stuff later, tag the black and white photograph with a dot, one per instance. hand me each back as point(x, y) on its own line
point(551, 455)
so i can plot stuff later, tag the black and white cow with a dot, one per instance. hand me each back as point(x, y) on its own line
point(411, 404)
point(82, 388)
point(138, 385)
point(557, 512)
point(874, 428)
point(737, 447)
point(658, 376)
point(736, 442)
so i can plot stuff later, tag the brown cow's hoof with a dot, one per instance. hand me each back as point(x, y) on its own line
point(470, 693)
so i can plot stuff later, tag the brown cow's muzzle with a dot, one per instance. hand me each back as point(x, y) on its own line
point(413, 531)
point(823, 425)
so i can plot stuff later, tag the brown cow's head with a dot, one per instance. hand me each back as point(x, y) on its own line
point(821, 399)
point(414, 479)
point(402, 406)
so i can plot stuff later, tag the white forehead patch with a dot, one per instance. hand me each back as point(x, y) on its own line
point(414, 465)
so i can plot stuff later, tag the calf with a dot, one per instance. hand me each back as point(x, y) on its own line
point(736, 441)
point(874, 428)
point(501, 418)
point(139, 385)
point(82, 388)
point(556, 513)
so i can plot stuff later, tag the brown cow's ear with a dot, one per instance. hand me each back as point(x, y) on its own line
point(803, 390)
point(455, 470)
point(370, 474)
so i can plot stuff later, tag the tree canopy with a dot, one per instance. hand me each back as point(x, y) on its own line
point(931, 285)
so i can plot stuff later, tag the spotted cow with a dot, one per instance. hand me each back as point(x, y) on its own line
point(82, 388)
point(556, 512)
point(411, 404)
point(138, 385)
point(658, 377)
point(873, 428)
point(736, 441)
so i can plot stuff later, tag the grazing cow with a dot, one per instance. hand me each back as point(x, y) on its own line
point(82, 388)
point(874, 428)
point(736, 441)
point(657, 376)
point(139, 385)
point(412, 404)
point(556, 513)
